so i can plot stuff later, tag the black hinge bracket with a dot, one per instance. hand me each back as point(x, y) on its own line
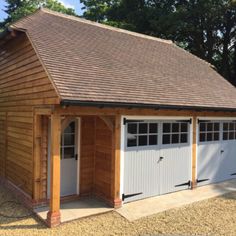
point(203, 121)
point(125, 121)
point(201, 180)
point(185, 121)
point(189, 183)
point(233, 174)
point(124, 196)
point(76, 157)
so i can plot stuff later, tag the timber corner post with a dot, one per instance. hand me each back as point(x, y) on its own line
point(194, 153)
point(117, 202)
point(54, 215)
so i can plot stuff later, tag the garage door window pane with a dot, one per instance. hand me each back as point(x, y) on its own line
point(216, 127)
point(175, 127)
point(184, 138)
point(225, 136)
point(166, 127)
point(153, 140)
point(132, 128)
point(225, 127)
point(231, 135)
point(202, 127)
point(216, 136)
point(143, 128)
point(166, 139)
point(184, 127)
point(210, 127)
point(132, 142)
point(202, 137)
point(152, 128)
point(209, 137)
point(142, 141)
point(231, 126)
point(175, 138)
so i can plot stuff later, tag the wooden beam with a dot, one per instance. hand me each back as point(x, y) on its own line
point(47, 111)
point(53, 216)
point(86, 111)
point(37, 150)
point(116, 163)
point(194, 152)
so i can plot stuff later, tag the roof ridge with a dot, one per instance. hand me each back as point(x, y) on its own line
point(59, 14)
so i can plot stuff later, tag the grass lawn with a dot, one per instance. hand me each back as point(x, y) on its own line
point(216, 216)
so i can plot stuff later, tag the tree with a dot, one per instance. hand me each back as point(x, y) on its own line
point(207, 28)
point(19, 8)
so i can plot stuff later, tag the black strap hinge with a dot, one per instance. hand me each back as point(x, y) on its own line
point(124, 196)
point(185, 121)
point(125, 121)
point(189, 183)
point(233, 174)
point(201, 180)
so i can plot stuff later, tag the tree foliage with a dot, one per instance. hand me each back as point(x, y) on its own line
point(19, 8)
point(207, 28)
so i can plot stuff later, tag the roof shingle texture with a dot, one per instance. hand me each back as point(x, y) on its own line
point(88, 62)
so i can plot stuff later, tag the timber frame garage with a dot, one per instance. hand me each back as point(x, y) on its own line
point(87, 109)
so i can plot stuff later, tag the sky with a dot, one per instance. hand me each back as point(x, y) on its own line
point(68, 3)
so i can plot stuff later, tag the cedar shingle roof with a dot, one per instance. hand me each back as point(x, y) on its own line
point(91, 62)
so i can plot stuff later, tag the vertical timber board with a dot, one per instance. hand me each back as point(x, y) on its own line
point(55, 163)
point(194, 152)
point(116, 166)
point(37, 151)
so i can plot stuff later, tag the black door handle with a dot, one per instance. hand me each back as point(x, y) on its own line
point(222, 151)
point(161, 158)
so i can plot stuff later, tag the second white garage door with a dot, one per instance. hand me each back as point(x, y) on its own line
point(216, 160)
point(157, 158)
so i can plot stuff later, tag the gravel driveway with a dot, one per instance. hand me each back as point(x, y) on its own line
point(215, 216)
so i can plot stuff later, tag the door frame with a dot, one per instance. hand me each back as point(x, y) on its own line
point(78, 148)
point(123, 139)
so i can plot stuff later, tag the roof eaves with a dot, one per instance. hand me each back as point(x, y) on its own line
point(67, 102)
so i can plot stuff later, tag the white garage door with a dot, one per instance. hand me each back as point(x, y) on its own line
point(157, 158)
point(216, 151)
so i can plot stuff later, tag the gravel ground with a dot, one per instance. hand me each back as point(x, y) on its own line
point(216, 216)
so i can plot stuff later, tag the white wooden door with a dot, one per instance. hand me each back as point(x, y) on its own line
point(157, 158)
point(216, 160)
point(175, 167)
point(141, 167)
point(69, 158)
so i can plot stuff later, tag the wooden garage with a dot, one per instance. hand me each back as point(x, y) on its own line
point(90, 110)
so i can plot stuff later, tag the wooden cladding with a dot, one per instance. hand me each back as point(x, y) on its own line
point(96, 158)
point(87, 151)
point(24, 84)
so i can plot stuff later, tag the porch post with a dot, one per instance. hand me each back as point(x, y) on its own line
point(116, 162)
point(54, 216)
point(194, 152)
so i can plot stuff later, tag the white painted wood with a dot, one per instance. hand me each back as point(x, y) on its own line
point(146, 173)
point(216, 160)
